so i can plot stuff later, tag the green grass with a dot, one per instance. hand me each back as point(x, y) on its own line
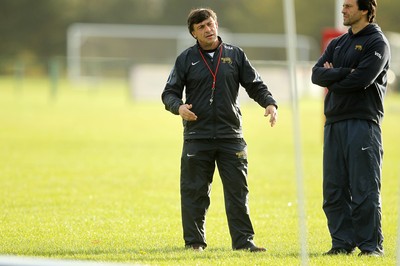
point(91, 175)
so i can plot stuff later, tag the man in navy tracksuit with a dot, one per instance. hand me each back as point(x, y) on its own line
point(353, 68)
point(210, 73)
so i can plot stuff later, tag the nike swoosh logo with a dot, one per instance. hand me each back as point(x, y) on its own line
point(195, 63)
point(366, 148)
point(190, 155)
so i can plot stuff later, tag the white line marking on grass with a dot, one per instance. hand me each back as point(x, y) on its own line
point(32, 261)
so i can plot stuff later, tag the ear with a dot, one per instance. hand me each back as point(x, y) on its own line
point(194, 36)
point(365, 13)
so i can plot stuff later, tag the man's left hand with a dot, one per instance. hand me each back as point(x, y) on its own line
point(273, 112)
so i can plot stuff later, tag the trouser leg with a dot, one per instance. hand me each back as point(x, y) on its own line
point(232, 167)
point(365, 163)
point(336, 190)
point(197, 169)
point(353, 150)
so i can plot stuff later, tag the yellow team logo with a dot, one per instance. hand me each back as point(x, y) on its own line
point(358, 47)
point(241, 154)
point(226, 60)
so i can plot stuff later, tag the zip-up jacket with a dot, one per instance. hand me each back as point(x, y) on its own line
point(357, 82)
point(221, 118)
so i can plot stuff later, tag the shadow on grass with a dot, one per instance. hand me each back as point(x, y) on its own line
point(174, 254)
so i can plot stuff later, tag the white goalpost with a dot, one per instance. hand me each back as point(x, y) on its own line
point(291, 42)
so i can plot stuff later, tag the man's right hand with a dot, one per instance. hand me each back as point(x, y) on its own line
point(328, 65)
point(186, 114)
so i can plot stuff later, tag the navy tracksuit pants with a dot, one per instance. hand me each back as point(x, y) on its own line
point(198, 161)
point(352, 163)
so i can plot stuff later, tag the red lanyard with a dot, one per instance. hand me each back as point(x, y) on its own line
point(214, 75)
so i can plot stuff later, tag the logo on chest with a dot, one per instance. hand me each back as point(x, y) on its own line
point(226, 60)
point(358, 47)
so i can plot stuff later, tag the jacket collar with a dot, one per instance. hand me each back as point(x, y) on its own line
point(367, 30)
point(210, 51)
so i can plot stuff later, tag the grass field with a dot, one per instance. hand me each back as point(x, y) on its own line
point(92, 175)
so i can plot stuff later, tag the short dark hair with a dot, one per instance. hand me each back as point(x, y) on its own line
point(370, 6)
point(198, 15)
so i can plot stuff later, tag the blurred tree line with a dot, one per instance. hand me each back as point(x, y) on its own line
point(32, 29)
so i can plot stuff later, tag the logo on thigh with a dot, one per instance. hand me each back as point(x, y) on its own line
point(242, 154)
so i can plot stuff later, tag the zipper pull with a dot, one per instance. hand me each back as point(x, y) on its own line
point(212, 95)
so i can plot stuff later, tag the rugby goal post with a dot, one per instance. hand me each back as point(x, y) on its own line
point(80, 35)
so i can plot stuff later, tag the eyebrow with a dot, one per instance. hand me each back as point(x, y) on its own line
point(203, 24)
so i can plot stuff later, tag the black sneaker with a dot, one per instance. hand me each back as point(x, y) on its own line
point(339, 251)
point(195, 247)
point(375, 253)
point(252, 248)
point(257, 249)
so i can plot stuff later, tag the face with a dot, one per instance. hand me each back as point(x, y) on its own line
point(206, 33)
point(351, 15)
